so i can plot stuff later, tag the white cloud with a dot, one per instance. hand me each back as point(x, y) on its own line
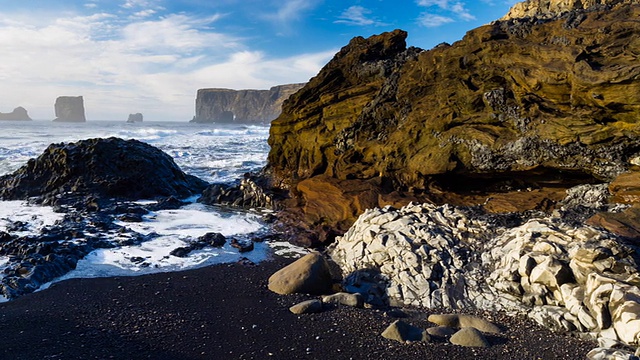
point(448, 10)
point(123, 65)
point(431, 20)
point(291, 10)
point(357, 15)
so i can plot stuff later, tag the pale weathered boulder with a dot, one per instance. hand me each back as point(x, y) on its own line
point(343, 298)
point(464, 321)
point(602, 353)
point(469, 336)
point(308, 275)
point(403, 332)
point(307, 307)
point(552, 273)
point(624, 305)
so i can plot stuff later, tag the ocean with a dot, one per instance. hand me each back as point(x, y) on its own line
point(214, 153)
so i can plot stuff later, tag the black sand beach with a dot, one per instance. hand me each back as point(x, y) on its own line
point(227, 312)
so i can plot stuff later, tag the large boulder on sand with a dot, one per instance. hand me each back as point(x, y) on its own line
point(307, 275)
point(102, 169)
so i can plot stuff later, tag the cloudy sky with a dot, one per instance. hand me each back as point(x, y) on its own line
point(151, 56)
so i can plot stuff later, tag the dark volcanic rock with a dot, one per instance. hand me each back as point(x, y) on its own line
point(241, 106)
point(102, 169)
point(70, 109)
point(510, 117)
point(18, 114)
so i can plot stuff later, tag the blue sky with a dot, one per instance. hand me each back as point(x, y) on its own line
point(151, 56)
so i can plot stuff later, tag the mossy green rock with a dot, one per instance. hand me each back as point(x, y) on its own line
point(512, 97)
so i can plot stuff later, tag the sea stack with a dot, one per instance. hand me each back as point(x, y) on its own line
point(18, 114)
point(137, 117)
point(70, 109)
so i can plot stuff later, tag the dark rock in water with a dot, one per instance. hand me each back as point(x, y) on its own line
point(70, 109)
point(18, 114)
point(252, 192)
point(169, 203)
point(103, 169)
point(137, 117)
point(212, 239)
point(242, 246)
point(181, 252)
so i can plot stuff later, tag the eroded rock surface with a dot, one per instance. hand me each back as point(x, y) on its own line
point(509, 118)
point(564, 275)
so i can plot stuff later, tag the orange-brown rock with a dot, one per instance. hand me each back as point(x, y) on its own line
point(626, 188)
point(526, 102)
point(625, 223)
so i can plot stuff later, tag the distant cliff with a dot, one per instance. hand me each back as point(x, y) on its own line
point(18, 114)
point(70, 109)
point(241, 106)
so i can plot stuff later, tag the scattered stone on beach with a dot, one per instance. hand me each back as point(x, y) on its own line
point(308, 275)
point(403, 332)
point(464, 321)
point(441, 331)
point(307, 307)
point(469, 336)
point(343, 298)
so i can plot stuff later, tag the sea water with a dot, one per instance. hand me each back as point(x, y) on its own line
point(214, 153)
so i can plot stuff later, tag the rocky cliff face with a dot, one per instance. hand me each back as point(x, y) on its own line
point(70, 109)
point(18, 114)
point(546, 9)
point(241, 106)
point(508, 117)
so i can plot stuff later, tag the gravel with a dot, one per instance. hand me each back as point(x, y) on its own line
point(227, 312)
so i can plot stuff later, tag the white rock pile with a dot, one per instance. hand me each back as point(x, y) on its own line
point(567, 277)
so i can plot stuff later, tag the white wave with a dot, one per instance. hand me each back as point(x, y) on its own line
point(195, 220)
point(35, 217)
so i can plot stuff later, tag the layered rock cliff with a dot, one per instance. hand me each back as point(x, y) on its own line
point(241, 106)
point(18, 114)
point(508, 118)
point(546, 9)
point(70, 109)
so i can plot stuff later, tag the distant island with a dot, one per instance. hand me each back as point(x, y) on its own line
point(18, 114)
point(242, 106)
point(70, 109)
point(137, 117)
